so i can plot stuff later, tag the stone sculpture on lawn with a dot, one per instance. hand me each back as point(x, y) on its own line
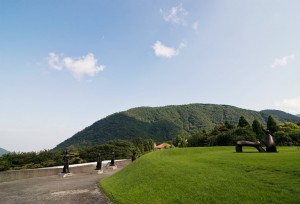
point(66, 162)
point(267, 141)
point(133, 157)
point(112, 161)
point(99, 162)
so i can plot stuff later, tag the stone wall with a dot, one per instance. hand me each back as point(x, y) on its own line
point(30, 173)
point(12, 175)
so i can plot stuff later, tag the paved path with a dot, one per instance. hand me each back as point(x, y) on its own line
point(78, 188)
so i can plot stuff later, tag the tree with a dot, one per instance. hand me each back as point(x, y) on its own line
point(228, 125)
point(149, 145)
point(258, 129)
point(243, 122)
point(5, 164)
point(272, 125)
point(179, 141)
point(138, 142)
point(183, 142)
point(243, 134)
point(281, 138)
point(176, 140)
point(224, 139)
point(198, 139)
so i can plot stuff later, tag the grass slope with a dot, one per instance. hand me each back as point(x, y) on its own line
point(208, 175)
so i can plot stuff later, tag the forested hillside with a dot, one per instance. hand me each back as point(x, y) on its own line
point(164, 123)
point(280, 115)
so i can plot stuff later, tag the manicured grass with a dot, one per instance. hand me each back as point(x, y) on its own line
point(208, 175)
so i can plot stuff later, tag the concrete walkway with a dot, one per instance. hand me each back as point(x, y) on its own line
point(78, 188)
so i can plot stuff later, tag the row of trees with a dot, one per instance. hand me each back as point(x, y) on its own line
point(227, 134)
point(47, 158)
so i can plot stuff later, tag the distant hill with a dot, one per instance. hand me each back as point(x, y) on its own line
point(280, 115)
point(3, 151)
point(298, 115)
point(164, 123)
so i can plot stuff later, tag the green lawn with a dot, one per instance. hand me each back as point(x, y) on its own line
point(208, 175)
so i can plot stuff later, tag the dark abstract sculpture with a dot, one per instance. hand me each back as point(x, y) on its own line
point(99, 162)
point(268, 141)
point(240, 144)
point(112, 161)
point(66, 162)
point(133, 157)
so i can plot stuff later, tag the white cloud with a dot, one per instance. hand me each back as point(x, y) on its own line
point(161, 50)
point(291, 105)
point(279, 62)
point(175, 15)
point(86, 65)
point(53, 61)
point(195, 26)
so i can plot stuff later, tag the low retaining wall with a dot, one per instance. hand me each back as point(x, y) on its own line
point(12, 175)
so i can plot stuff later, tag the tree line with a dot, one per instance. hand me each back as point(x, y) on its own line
point(227, 134)
point(123, 149)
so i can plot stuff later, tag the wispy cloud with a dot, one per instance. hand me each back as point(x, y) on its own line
point(86, 65)
point(291, 105)
point(195, 26)
point(162, 50)
point(175, 15)
point(53, 60)
point(279, 62)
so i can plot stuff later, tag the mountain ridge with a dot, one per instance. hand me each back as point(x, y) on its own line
point(281, 114)
point(164, 123)
point(3, 151)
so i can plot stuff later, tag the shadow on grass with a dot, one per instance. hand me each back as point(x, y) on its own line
point(247, 152)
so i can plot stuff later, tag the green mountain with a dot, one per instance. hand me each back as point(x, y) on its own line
point(164, 123)
point(280, 115)
point(3, 151)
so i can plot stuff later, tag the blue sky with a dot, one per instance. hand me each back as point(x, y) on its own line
point(66, 64)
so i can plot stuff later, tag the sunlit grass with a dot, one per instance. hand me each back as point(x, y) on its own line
point(208, 175)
